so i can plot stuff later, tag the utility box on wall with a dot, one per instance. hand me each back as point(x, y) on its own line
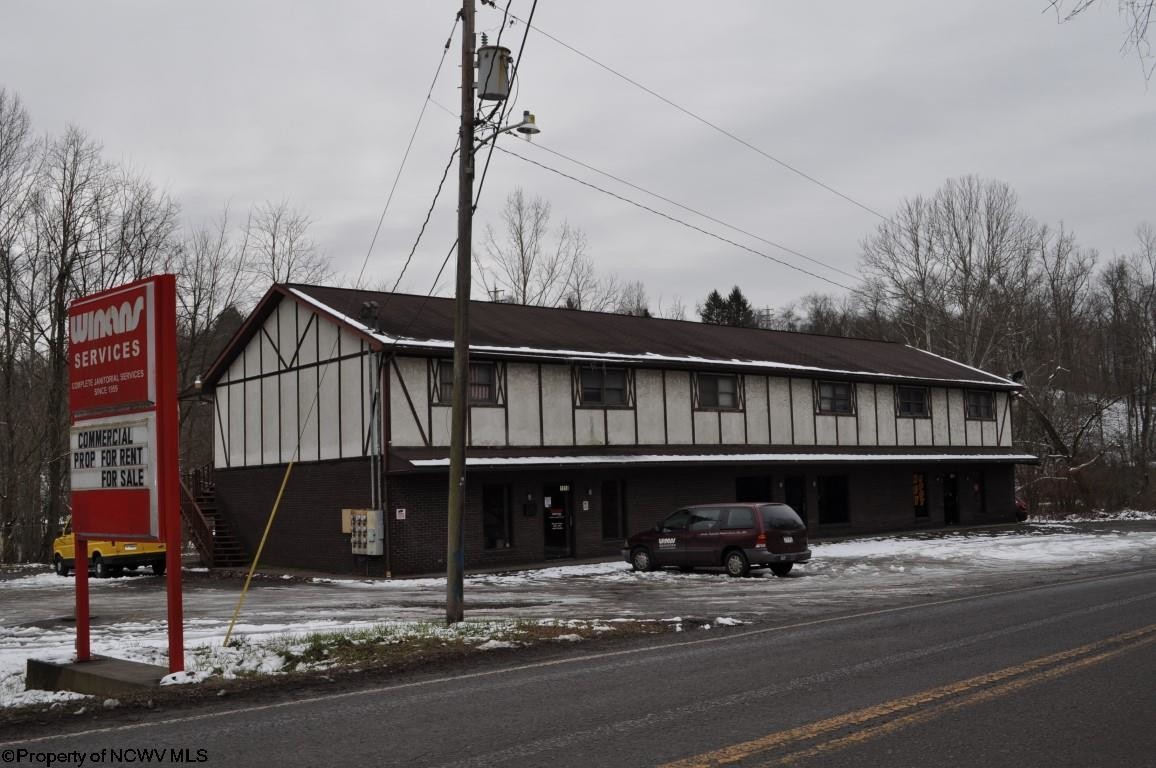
point(367, 531)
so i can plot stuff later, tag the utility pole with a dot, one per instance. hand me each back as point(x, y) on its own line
point(455, 554)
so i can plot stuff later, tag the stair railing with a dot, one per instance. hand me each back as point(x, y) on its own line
point(198, 524)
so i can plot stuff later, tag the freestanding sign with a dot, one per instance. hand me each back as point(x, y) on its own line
point(123, 461)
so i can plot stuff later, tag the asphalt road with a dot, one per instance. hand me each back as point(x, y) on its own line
point(1055, 674)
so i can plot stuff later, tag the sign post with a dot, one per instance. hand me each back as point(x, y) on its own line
point(124, 452)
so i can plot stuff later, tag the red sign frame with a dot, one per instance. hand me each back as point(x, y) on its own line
point(124, 458)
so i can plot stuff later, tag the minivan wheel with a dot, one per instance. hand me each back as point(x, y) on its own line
point(59, 566)
point(736, 563)
point(640, 560)
point(781, 569)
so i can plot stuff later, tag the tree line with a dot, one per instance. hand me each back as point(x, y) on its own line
point(967, 274)
point(74, 223)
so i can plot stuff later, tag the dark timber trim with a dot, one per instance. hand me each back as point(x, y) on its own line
point(409, 401)
point(224, 430)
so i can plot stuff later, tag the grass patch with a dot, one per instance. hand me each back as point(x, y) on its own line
point(403, 644)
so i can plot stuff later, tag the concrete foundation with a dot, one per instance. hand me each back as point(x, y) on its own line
point(101, 676)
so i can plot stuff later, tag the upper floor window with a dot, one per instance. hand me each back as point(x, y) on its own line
point(836, 397)
point(483, 386)
point(911, 401)
point(980, 404)
point(718, 390)
point(599, 385)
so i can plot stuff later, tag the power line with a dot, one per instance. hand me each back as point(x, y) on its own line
point(405, 156)
point(772, 243)
point(676, 220)
point(706, 122)
point(708, 217)
point(428, 214)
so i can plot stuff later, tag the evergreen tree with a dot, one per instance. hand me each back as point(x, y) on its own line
point(714, 310)
point(734, 310)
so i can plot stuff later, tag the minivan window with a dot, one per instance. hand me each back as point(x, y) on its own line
point(677, 521)
point(704, 519)
point(739, 517)
point(780, 517)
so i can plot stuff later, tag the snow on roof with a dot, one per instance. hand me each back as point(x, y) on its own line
point(891, 361)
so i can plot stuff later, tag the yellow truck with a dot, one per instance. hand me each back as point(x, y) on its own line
point(107, 558)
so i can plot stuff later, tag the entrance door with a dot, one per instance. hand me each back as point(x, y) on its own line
point(950, 500)
point(795, 494)
point(557, 535)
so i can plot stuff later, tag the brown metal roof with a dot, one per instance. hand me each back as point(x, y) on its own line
point(515, 330)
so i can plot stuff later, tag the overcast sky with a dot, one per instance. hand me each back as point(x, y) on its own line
point(239, 102)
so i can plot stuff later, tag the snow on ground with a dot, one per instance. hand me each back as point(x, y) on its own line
point(1039, 548)
point(839, 569)
point(1097, 517)
point(256, 648)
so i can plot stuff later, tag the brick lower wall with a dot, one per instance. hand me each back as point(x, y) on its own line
point(308, 533)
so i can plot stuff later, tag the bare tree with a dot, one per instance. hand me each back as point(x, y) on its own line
point(587, 289)
point(949, 269)
point(17, 185)
point(1137, 16)
point(277, 248)
point(676, 310)
point(212, 283)
point(1127, 317)
point(633, 301)
point(70, 218)
point(144, 223)
point(528, 262)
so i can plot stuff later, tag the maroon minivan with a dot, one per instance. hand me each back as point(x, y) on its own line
point(735, 536)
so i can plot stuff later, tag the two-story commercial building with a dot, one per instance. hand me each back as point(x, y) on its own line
point(583, 427)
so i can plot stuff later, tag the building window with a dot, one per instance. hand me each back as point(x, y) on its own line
point(981, 405)
point(919, 493)
point(614, 509)
point(717, 390)
point(836, 397)
point(833, 500)
point(483, 387)
point(911, 401)
point(600, 386)
point(497, 524)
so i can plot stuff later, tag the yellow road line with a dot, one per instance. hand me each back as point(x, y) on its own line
point(1033, 671)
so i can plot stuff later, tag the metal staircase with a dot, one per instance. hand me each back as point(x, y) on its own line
point(211, 532)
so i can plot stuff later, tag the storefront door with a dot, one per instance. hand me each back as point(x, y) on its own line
point(950, 500)
point(795, 494)
point(557, 518)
